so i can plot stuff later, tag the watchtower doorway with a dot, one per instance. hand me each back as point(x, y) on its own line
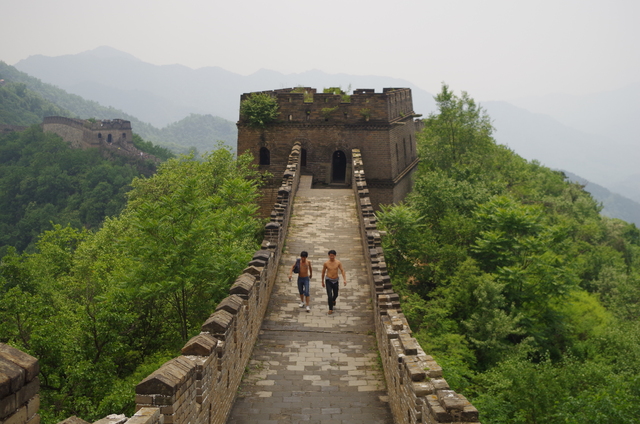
point(338, 166)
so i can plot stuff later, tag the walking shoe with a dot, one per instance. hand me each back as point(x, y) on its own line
point(308, 309)
point(301, 305)
point(330, 312)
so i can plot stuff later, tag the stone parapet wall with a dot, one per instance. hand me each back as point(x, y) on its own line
point(19, 387)
point(201, 385)
point(418, 393)
point(305, 104)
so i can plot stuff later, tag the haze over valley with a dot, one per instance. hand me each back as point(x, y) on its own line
point(589, 136)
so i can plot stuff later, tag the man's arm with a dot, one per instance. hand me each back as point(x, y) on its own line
point(324, 269)
point(310, 270)
point(344, 276)
point(291, 271)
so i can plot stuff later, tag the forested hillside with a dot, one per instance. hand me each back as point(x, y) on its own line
point(102, 310)
point(510, 277)
point(36, 99)
point(44, 181)
point(23, 107)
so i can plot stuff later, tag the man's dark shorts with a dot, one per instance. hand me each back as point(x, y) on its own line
point(303, 286)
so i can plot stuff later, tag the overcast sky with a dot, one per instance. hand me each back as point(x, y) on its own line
point(493, 49)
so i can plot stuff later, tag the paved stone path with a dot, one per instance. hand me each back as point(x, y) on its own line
point(313, 367)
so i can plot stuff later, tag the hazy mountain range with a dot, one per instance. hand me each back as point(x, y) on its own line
point(590, 136)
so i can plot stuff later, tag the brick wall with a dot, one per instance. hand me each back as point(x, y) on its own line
point(386, 137)
point(418, 393)
point(19, 387)
point(201, 385)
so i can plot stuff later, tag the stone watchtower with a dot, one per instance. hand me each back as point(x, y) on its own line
point(83, 134)
point(329, 126)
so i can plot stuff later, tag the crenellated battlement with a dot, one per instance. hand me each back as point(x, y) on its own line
point(306, 105)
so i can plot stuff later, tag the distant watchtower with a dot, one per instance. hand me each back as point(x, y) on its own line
point(85, 133)
point(328, 126)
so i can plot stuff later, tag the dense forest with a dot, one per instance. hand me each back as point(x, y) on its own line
point(102, 309)
point(25, 100)
point(43, 181)
point(511, 278)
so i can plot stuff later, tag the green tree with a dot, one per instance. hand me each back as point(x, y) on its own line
point(459, 127)
point(512, 280)
point(191, 229)
point(259, 109)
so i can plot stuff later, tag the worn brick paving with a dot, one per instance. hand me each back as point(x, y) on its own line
point(312, 367)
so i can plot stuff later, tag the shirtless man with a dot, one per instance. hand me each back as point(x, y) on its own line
point(304, 277)
point(332, 282)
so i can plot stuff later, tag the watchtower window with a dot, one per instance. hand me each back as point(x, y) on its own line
point(265, 156)
point(109, 138)
point(290, 117)
point(303, 157)
point(99, 135)
point(124, 135)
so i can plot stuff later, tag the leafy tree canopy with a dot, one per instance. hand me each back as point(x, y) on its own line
point(43, 180)
point(259, 110)
point(513, 280)
point(102, 310)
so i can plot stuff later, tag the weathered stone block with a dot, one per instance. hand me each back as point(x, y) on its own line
point(231, 304)
point(168, 379)
point(439, 384)
point(434, 370)
point(415, 372)
point(34, 419)
point(436, 412)
point(23, 360)
point(73, 420)
point(13, 375)
point(243, 286)
point(27, 392)
point(218, 324)
point(409, 344)
point(7, 405)
point(422, 388)
point(18, 417)
point(252, 270)
point(33, 406)
point(450, 400)
point(263, 255)
point(147, 416)
point(113, 419)
point(204, 344)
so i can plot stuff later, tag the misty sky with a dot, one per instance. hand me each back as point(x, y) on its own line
point(493, 49)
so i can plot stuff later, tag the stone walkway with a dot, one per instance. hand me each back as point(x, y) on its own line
point(313, 367)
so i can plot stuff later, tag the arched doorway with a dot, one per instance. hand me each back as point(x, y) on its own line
point(338, 166)
point(265, 156)
point(303, 157)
